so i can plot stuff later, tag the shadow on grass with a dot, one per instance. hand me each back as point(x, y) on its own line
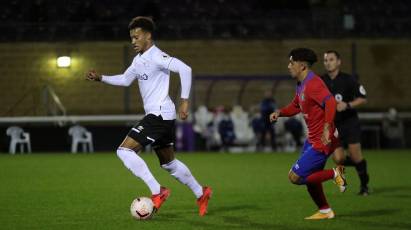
point(243, 222)
point(228, 217)
point(371, 213)
point(401, 192)
point(233, 208)
point(357, 219)
point(362, 218)
point(215, 211)
point(393, 189)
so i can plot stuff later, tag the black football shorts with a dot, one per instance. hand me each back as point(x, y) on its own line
point(154, 130)
point(349, 131)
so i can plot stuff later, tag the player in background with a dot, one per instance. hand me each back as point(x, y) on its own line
point(151, 68)
point(318, 107)
point(267, 106)
point(349, 95)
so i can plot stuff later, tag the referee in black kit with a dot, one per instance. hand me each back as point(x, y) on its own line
point(349, 94)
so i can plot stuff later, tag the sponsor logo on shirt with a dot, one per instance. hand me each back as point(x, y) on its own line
point(302, 97)
point(165, 56)
point(142, 77)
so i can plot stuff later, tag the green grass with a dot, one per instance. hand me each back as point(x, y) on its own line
point(251, 191)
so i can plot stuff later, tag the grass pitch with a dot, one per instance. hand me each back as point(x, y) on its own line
point(251, 191)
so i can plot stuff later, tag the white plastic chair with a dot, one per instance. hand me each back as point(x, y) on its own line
point(242, 129)
point(80, 135)
point(18, 137)
point(202, 118)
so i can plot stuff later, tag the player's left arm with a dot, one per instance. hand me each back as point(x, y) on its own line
point(177, 66)
point(330, 108)
point(360, 95)
point(321, 95)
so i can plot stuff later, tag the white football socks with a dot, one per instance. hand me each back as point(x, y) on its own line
point(325, 211)
point(139, 168)
point(180, 171)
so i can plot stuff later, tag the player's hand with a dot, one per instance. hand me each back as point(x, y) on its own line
point(183, 110)
point(92, 75)
point(274, 116)
point(341, 106)
point(325, 138)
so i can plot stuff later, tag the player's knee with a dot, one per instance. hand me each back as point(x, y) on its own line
point(294, 179)
point(165, 155)
point(165, 160)
point(339, 160)
point(356, 158)
point(339, 156)
point(130, 143)
point(135, 149)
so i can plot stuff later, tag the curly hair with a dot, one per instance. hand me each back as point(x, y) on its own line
point(304, 55)
point(145, 23)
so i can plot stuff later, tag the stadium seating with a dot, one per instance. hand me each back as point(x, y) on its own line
point(46, 20)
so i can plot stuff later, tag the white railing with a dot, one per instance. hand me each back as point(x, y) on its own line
point(72, 119)
point(377, 116)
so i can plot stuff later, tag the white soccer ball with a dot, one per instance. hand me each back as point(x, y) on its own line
point(142, 208)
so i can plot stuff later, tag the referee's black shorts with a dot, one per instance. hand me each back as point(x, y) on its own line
point(349, 131)
point(154, 130)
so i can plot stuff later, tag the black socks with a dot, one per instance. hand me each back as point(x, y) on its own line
point(362, 173)
point(361, 168)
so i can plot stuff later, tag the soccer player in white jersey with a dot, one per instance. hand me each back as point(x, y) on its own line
point(151, 67)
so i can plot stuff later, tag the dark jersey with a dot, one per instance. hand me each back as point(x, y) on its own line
point(345, 88)
point(267, 107)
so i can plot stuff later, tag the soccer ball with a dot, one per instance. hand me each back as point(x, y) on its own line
point(142, 208)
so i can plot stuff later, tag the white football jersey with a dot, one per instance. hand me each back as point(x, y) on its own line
point(152, 70)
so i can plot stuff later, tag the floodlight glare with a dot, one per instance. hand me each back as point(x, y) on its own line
point(63, 61)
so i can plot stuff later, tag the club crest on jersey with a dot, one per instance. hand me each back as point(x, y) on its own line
point(362, 90)
point(302, 97)
point(142, 77)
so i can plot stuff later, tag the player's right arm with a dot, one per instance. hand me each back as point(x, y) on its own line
point(124, 79)
point(290, 110)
